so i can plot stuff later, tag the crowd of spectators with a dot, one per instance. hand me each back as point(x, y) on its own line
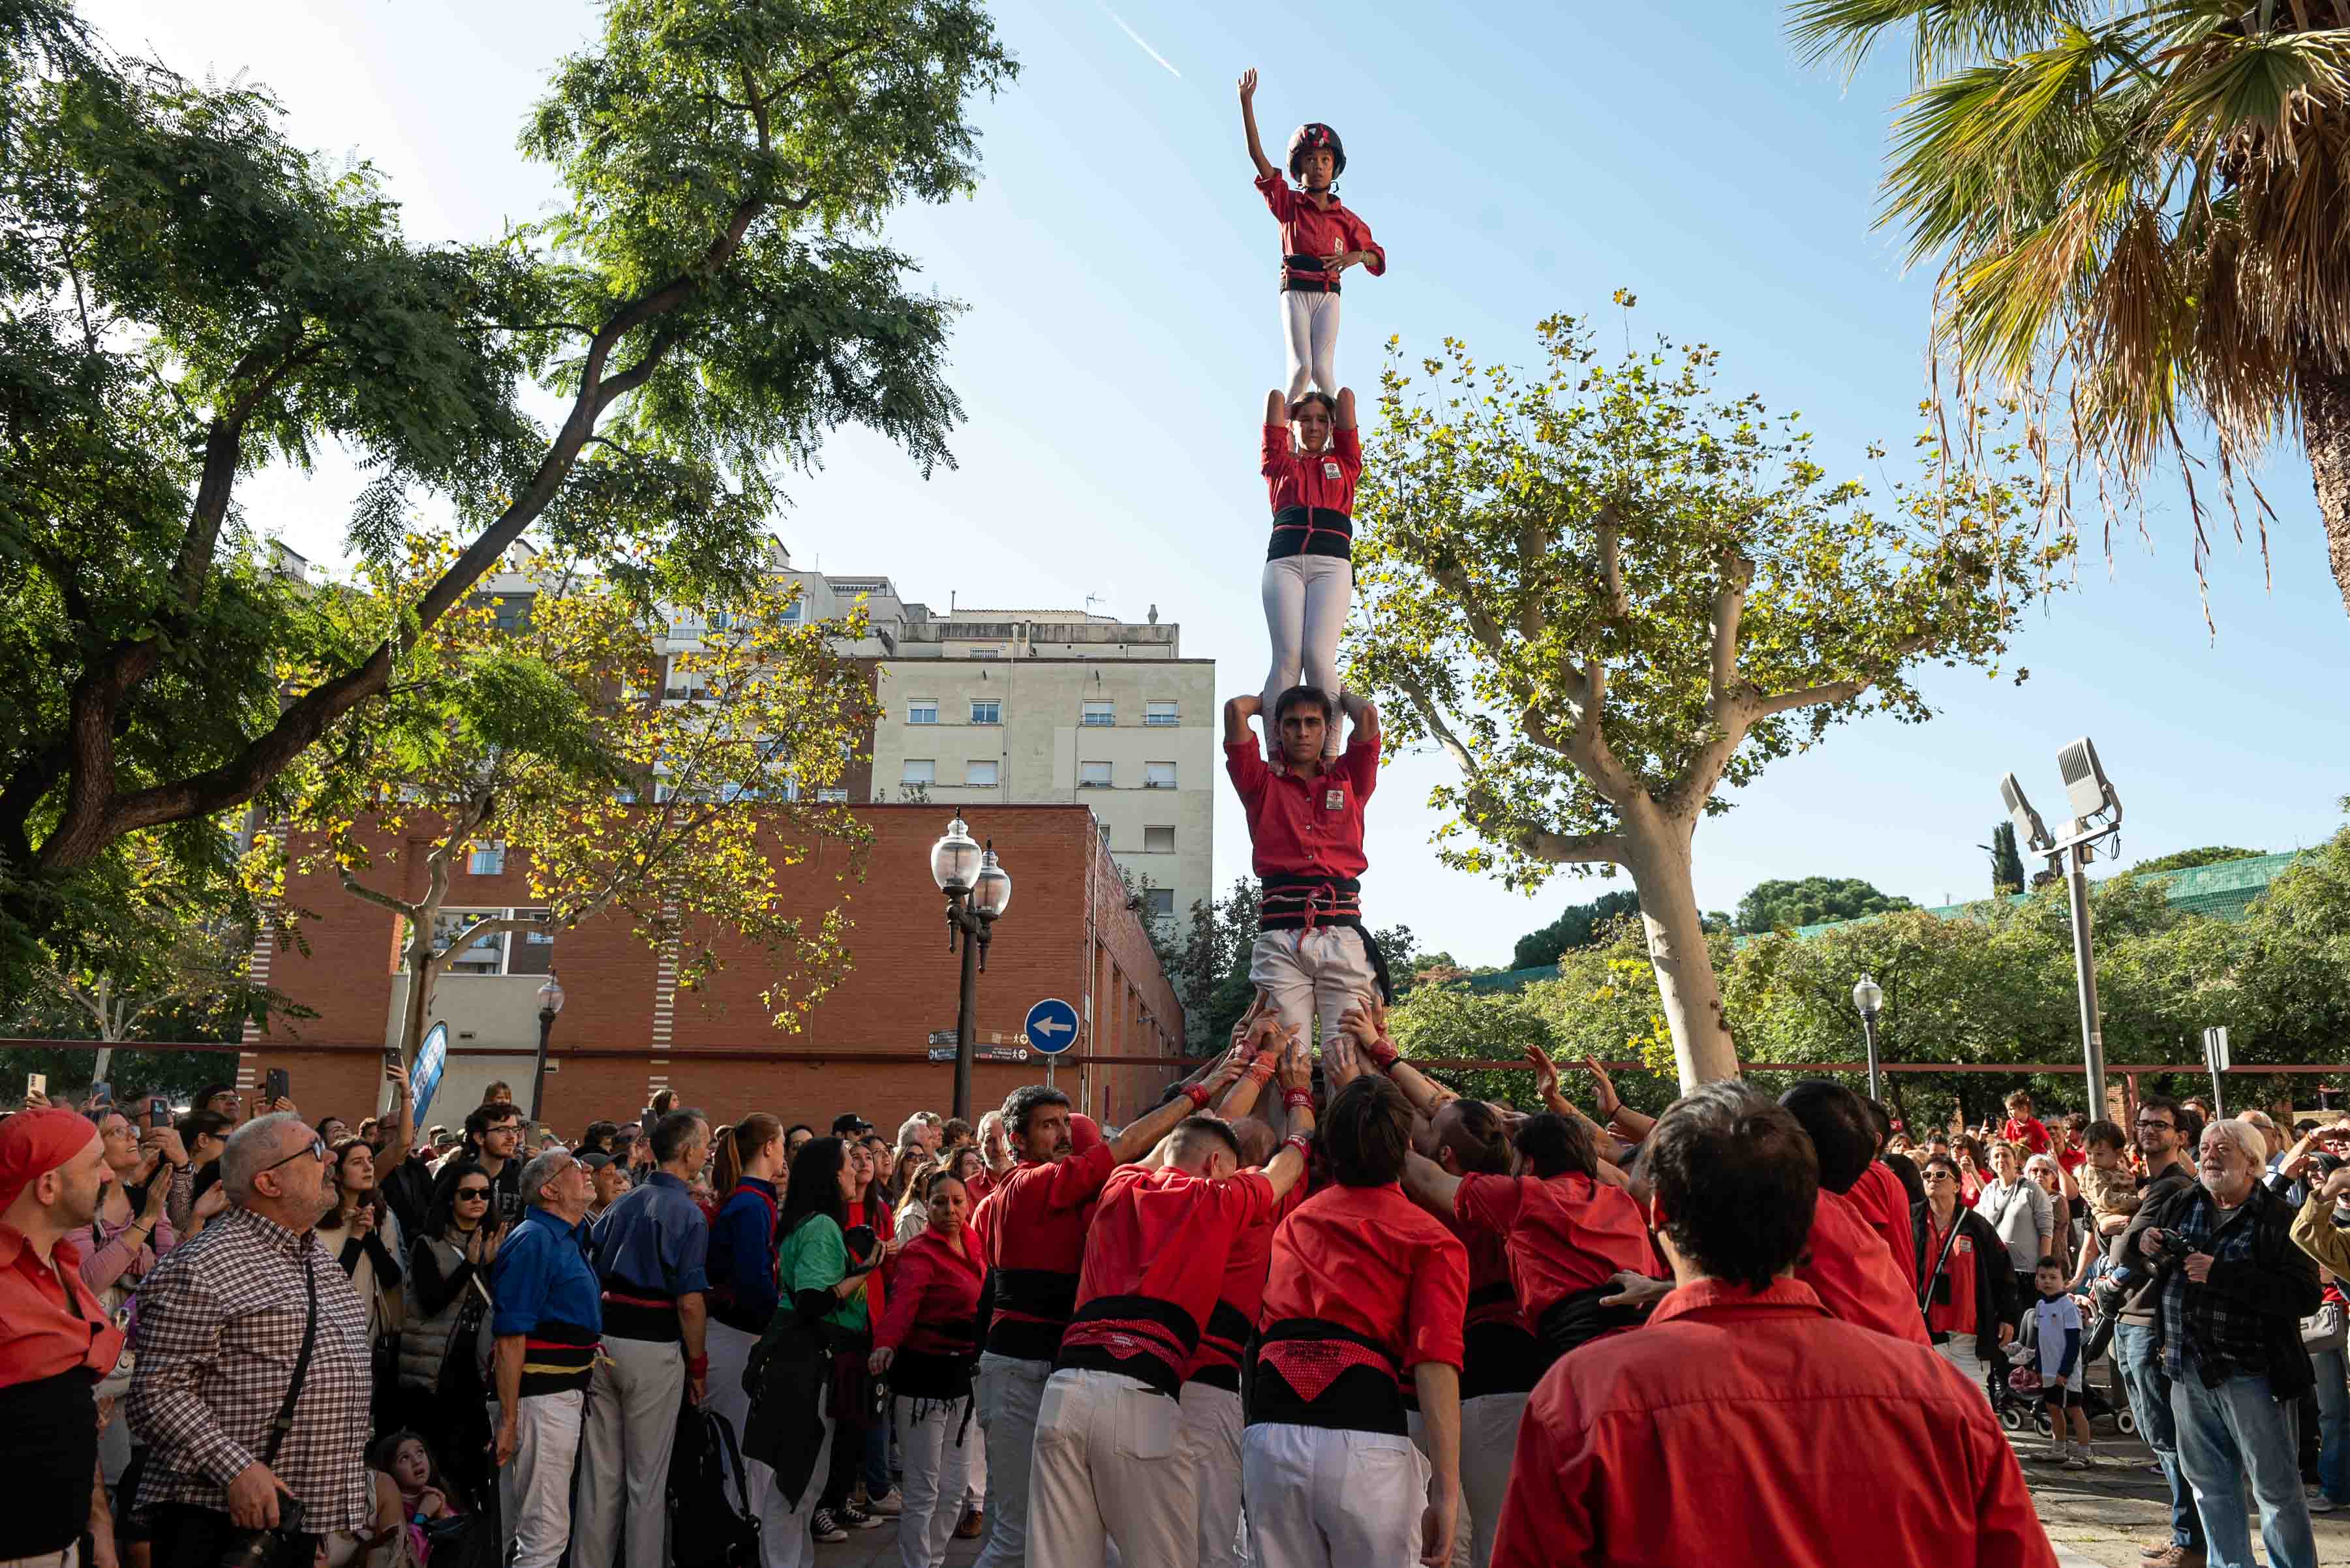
point(1315, 1309)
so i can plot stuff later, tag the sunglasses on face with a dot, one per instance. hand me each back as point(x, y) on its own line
point(472, 1195)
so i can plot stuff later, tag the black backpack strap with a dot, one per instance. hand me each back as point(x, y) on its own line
point(283, 1422)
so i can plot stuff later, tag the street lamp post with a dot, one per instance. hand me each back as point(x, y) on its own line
point(550, 1003)
point(978, 891)
point(1868, 997)
point(2097, 815)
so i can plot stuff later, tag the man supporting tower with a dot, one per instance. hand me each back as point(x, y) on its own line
point(1304, 817)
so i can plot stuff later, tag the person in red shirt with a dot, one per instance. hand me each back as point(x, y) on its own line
point(1110, 1457)
point(1965, 1285)
point(1304, 817)
point(926, 1343)
point(1311, 461)
point(1032, 1234)
point(1320, 239)
point(2021, 1126)
point(1367, 1292)
point(56, 1339)
point(1849, 1263)
point(1848, 1447)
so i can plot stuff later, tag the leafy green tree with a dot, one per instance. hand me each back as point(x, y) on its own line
point(1607, 590)
point(1577, 926)
point(1812, 901)
point(556, 741)
point(2006, 861)
point(190, 297)
point(2188, 859)
point(2134, 210)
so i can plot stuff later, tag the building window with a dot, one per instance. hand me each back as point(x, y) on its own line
point(986, 652)
point(1158, 903)
point(1159, 776)
point(503, 952)
point(987, 711)
point(1162, 716)
point(833, 796)
point(1097, 715)
point(794, 612)
point(980, 772)
point(1105, 832)
point(1158, 840)
point(686, 628)
point(1093, 776)
point(925, 711)
point(920, 771)
point(486, 861)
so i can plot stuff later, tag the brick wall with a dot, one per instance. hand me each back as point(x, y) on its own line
point(863, 1047)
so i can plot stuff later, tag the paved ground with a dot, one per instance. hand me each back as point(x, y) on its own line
point(2094, 1517)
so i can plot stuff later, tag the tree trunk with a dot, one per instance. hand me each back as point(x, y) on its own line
point(1660, 864)
point(419, 1000)
point(2325, 435)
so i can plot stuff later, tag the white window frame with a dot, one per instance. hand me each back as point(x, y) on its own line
point(485, 858)
point(448, 921)
point(1162, 716)
point(972, 766)
point(1151, 778)
point(929, 776)
point(1098, 714)
point(1107, 781)
point(916, 707)
point(1152, 898)
point(995, 706)
point(832, 796)
point(1148, 847)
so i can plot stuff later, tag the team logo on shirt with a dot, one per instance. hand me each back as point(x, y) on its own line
point(1334, 800)
point(1329, 469)
point(1963, 1244)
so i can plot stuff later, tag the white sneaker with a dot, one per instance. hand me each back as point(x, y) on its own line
point(2321, 1503)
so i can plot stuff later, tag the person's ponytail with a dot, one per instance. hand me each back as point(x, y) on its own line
point(751, 1134)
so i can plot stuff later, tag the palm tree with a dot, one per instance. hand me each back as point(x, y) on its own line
point(2142, 214)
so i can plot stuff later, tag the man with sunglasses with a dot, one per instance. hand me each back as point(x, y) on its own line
point(222, 1321)
point(2166, 1131)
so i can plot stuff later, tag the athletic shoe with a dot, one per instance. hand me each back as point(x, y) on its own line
point(826, 1526)
point(971, 1526)
point(2077, 1461)
point(2321, 1503)
point(857, 1518)
point(889, 1505)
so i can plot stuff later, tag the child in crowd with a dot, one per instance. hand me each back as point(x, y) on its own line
point(404, 1465)
point(2056, 1325)
point(2021, 1126)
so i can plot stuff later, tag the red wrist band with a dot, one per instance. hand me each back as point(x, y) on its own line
point(1259, 1074)
point(1196, 1096)
point(1383, 1053)
point(697, 1366)
point(1296, 1099)
point(1303, 1143)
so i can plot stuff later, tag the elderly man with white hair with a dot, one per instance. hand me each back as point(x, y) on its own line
point(2233, 1289)
point(223, 1321)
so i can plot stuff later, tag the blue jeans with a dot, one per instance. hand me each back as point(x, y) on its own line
point(2333, 1423)
point(2137, 1354)
point(877, 1462)
point(2225, 1434)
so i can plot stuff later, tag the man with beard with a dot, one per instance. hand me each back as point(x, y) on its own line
point(2164, 1135)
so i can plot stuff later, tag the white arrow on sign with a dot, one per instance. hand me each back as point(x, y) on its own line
point(1049, 1027)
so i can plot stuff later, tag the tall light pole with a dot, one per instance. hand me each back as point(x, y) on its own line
point(550, 1003)
point(2097, 815)
point(978, 891)
point(1867, 997)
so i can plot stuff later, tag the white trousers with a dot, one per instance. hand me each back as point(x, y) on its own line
point(1306, 603)
point(1321, 972)
point(1309, 322)
point(729, 1350)
point(1489, 1447)
point(632, 1430)
point(1323, 1499)
point(1212, 1427)
point(535, 1487)
point(937, 1474)
point(1110, 1461)
point(785, 1541)
point(1010, 1391)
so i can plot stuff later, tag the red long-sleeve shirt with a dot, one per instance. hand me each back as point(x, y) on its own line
point(1307, 230)
point(1848, 1269)
point(934, 1298)
point(1564, 1234)
point(1032, 1233)
point(1845, 1448)
point(1884, 1203)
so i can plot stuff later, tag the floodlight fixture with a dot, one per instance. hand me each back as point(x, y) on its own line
point(2087, 788)
point(2028, 825)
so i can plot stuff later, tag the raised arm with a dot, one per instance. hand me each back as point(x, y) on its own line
point(1142, 1134)
point(1276, 409)
point(1237, 713)
point(1259, 1031)
point(1429, 1184)
point(1288, 1167)
point(1264, 169)
point(1346, 415)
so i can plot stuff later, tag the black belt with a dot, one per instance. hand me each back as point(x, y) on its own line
point(1307, 275)
point(1311, 531)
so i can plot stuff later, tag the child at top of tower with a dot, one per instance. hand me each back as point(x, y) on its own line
point(1320, 239)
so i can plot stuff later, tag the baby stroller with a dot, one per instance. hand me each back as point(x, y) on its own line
point(2019, 1400)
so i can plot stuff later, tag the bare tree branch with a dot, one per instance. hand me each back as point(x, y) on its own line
point(1574, 848)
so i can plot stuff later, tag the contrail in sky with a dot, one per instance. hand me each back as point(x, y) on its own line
point(1139, 43)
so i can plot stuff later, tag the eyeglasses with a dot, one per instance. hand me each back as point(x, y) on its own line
point(317, 1151)
point(2150, 1122)
point(472, 1195)
point(1934, 1176)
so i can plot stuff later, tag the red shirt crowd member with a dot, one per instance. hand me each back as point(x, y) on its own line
point(1367, 1292)
point(1110, 1459)
point(1740, 1372)
point(56, 1340)
point(1311, 956)
point(1032, 1232)
point(1320, 239)
point(1566, 1234)
point(1883, 1205)
point(2021, 1126)
point(1966, 1287)
point(926, 1343)
point(1847, 1263)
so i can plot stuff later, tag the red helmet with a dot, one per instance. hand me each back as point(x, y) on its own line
point(1312, 138)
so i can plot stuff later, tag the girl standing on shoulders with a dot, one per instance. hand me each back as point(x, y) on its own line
point(1312, 460)
point(1320, 238)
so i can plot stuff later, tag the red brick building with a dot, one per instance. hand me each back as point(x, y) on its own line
point(627, 1030)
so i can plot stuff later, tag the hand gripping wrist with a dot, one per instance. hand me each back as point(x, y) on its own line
point(1197, 1094)
point(1303, 1142)
point(1260, 1072)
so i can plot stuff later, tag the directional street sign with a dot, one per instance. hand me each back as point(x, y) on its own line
point(981, 1053)
point(1052, 1026)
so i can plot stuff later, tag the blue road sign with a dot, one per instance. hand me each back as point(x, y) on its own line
point(1052, 1026)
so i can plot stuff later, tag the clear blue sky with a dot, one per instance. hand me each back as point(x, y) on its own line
point(1514, 161)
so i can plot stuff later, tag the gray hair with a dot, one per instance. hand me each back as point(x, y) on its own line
point(251, 1149)
point(542, 1169)
point(910, 1131)
point(2244, 1136)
